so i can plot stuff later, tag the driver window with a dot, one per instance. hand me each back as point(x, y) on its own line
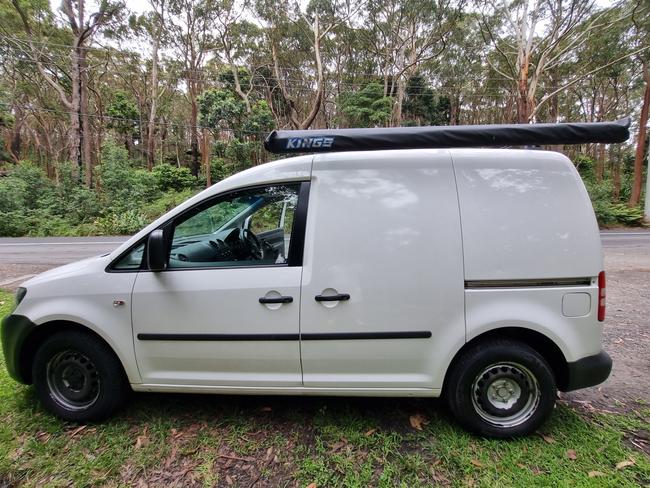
point(247, 228)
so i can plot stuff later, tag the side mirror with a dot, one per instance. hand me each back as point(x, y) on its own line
point(156, 251)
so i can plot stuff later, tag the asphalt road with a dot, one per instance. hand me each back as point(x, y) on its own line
point(22, 257)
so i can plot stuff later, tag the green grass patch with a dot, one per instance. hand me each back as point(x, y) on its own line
point(195, 440)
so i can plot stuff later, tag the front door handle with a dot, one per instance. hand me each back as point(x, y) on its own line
point(283, 299)
point(332, 298)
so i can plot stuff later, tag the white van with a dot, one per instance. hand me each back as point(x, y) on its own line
point(475, 274)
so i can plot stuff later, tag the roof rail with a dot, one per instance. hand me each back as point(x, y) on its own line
point(328, 140)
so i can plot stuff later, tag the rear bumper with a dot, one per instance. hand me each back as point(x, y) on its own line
point(15, 329)
point(589, 371)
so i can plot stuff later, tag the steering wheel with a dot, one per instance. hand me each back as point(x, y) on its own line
point(244, 244)
point(252, 244)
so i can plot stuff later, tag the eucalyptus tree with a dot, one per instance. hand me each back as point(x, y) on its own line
point(534, 37)
point(641, 21)
point(190, 24)
point(71, 85)
point(408, 33)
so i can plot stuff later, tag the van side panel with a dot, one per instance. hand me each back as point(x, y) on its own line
point(525, 215)
point(384, 228)
point(532, 249)
point(538, 309)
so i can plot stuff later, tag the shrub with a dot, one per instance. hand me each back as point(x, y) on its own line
point(170, 177)
point(165, 203)
point(122, 223)
point(37, 187)
point(13, 194)
point(122, 187)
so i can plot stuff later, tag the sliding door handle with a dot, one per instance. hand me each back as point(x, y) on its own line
point(283, 299)
point(332, 298)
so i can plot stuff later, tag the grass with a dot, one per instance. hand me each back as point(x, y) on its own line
point(192, 440)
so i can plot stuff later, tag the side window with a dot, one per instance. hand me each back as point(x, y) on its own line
point(131, 261)
point(247, 228)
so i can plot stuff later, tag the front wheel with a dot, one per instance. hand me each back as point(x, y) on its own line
point(78, 378)
point(501, 388)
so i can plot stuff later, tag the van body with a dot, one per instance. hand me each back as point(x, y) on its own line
point(475, 274)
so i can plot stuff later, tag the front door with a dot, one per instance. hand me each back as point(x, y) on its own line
point(225, 312)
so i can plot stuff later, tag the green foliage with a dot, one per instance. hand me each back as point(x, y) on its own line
point(366, 108)
point(260, 121)
point(34, 181)
point(123, 187)
point(170, 177)
point(421, 105)
point(165, 203)
point(608, 211)
point(220, 109)
point(127, 222)
point(124, 113)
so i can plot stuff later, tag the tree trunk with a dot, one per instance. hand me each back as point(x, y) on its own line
point(635, 197)
point(86, 125)
point(205, 156)
point(151, 129)
point(194, 131)
point(74, 135)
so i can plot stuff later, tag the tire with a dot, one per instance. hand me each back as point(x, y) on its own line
point(500, 388)
point(78, 378)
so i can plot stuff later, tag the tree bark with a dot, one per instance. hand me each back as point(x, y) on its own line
point(205, 157)
point(635, 196)
point(151, 129)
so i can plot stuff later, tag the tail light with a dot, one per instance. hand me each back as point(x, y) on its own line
point(601, 296)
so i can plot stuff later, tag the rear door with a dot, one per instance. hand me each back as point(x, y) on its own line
point(382, 289)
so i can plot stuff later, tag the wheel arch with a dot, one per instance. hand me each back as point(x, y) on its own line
point(42, 332)
point(541, 343)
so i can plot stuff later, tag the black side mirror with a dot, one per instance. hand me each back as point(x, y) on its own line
point(156, 251)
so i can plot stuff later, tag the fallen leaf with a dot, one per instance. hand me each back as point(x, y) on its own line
point(571, 454)
point(522, 466)
point(370, 432)
point(266, 409)
point(625, 464)
point(593, 474)
point(229, 480)
point(43, 436)
point(312, 485)
point(338, 445)
point(417, 421)
point(477, 463)
point(547, 438)
point(77, 430)
point(142, 440)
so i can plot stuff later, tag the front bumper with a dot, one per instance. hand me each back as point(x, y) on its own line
point(15, 329)
point(589, 371)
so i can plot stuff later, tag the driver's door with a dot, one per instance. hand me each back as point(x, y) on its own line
point(225, 312)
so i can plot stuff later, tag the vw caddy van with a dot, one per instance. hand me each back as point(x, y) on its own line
point(381, 263)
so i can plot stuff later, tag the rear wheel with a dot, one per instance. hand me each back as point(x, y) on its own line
point(501, 388)
point(78, 378)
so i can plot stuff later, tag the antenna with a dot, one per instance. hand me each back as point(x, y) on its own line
point(330, 140)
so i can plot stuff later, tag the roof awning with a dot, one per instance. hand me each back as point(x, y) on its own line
point(498, 135)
